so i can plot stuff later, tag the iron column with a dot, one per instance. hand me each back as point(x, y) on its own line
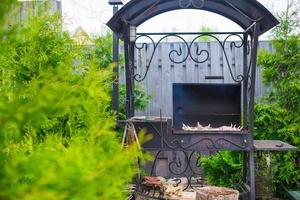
point(115, 96)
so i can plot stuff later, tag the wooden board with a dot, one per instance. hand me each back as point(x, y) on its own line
point(163, 73)
point(272, 145)
point(295, 195)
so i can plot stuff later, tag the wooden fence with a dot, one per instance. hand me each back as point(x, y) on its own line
point(163, 73)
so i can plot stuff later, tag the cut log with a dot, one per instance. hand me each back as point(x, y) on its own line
point(217, 193)
point(185, 196)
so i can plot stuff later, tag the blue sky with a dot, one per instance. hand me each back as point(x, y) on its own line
point(92, 15)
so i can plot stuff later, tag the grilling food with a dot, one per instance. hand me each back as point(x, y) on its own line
point(200, 127)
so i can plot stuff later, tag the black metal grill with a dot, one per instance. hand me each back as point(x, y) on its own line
point(214, 104)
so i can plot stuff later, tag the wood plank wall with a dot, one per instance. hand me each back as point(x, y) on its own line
point(163, 73)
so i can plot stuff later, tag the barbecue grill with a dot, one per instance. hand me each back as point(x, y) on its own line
point(209, 104)
point(175, 149)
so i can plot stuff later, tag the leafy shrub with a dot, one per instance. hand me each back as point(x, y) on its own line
point(223, 169)
point(277, 116)
point(54, 169)
point(275, 123)
point(57, 138)
point(281, 67)
point(141, 100)
point(5, 6)
point(103, 52)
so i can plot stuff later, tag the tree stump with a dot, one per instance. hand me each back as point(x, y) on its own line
point(217, 193)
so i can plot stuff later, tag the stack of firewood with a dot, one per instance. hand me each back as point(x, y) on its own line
point(217, 193)
point(171, 187)
point(173, 190)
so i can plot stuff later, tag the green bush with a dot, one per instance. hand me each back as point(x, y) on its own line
point(5, 6)
point(141, 100)
point(54, 169)
point(223, 169)
point(57, 138)
point(275, 123)
point(278, 116)
point(103, 52)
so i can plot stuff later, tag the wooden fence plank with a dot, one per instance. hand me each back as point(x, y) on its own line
point(215, 62)
point(228, 57)
point(163, 72)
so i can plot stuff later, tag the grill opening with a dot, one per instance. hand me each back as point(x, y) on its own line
point(214, 104)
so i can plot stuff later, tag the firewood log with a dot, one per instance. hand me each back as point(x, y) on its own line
point(217, 193)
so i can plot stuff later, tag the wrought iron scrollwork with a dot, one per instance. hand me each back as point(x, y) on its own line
point(179, 53)
point(184, 160)
point(188, 169)
point(195, 3)
point(191, 52)
point(177, 144)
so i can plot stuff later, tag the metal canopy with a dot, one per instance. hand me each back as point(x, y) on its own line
point(115, 2)
point(249, 15)
point(242, 12)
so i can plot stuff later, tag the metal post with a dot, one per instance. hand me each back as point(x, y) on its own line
point(251, 110)
point(129, 71)
point(245, 82)
point(128, 78)
point(245, 100)
point(116, 69)
point(115, 96)
point(132, 49)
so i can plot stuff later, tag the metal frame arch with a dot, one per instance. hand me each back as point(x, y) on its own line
point(242, 12)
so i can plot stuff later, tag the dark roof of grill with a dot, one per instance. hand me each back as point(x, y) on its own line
point(242, 12)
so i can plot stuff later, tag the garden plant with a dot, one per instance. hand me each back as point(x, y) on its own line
point(277, 115)
point(57, 129)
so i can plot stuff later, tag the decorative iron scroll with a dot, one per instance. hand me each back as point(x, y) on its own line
point(202, 53)
point(187, 3)
point(176, 144)
point(188, 174)
point(190, 169)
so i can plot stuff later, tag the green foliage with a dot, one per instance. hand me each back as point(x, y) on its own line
point(82, 170)
point(223, 169)
point(289, 21)
point(206, 38)
point(275, 123)
point(141, 100)
point(281, 67)
point(57, 138)
point(278, 117)
point(5, 6)
point(281, 70)
point(103, 51)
